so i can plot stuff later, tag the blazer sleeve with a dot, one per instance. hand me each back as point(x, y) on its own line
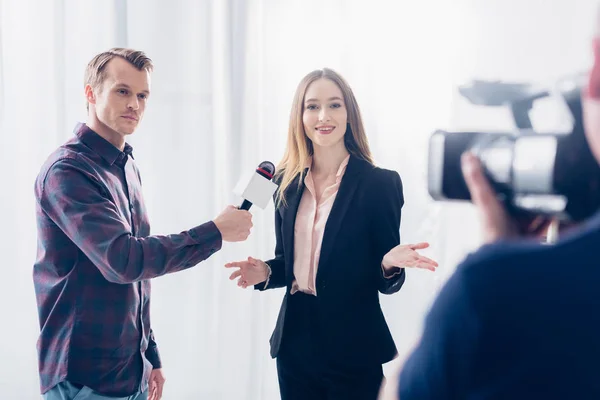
point(277, 264)
point(387, 202)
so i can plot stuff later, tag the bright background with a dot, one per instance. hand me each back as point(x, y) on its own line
point(225, 75)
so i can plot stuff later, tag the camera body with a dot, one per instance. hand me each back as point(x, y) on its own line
point(550, 174)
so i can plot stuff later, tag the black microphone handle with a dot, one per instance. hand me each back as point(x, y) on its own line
point(246, 205)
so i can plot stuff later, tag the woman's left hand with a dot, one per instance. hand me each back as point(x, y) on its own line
point(406, 256)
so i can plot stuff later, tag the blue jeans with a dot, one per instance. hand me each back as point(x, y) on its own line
point(67, 391)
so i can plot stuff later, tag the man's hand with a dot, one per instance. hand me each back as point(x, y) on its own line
point(496, 222)
point(234, 224)
point(250, 272)
point(406, 256)
point(155, 384)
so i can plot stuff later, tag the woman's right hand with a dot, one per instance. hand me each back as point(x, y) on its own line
point(250, 272)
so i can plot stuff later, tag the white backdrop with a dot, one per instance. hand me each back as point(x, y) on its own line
point(225, 75)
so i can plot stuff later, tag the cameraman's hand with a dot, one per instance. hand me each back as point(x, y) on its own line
point(497, 223)
point(234, 224)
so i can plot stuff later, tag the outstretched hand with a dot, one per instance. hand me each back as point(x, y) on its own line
point(249, 273)
point(406, 256)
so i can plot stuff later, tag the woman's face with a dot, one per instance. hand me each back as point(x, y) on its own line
point(325, 116)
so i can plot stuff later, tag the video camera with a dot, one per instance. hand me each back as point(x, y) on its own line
point(549, 174)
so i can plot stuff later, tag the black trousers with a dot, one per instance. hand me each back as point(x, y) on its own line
point(304, 368)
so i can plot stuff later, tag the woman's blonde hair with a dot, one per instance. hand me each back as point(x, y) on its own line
point(299, 147)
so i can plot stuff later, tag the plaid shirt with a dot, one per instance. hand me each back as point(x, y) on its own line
point(94, 263)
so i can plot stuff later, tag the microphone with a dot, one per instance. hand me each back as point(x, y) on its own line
point(257, 188)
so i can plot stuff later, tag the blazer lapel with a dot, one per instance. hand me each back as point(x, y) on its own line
point(288, 217)
point(340, 207)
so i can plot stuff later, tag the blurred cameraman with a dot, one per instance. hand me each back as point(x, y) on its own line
point(517, 320)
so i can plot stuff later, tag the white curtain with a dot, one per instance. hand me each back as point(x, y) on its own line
point(222, 88)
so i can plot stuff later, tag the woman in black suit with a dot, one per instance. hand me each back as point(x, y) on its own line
point(337, 223)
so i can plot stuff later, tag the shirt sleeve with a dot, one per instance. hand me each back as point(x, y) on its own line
point(152, 353)
point(441, 365)
point(80, 205)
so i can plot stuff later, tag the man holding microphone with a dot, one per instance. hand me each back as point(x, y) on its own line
point(95, 253)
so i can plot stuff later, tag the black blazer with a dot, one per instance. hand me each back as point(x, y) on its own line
point(364, 224)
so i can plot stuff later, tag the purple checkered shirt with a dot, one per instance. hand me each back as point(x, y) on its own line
point(94, 263)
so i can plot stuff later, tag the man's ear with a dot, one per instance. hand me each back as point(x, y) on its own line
point(89, 94)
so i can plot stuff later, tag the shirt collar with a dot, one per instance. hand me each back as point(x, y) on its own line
point(101, 146)
point(340, 171)
point(342, 167)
